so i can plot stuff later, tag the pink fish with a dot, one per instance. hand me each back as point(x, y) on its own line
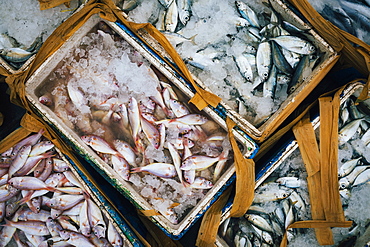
point(121, 166)
point(98, 144)
point(178, 108)
point(201, 183)
point(200, 162)
point(29, 183)
point(32, 227)
point(19, 160)
point(151, 132)
point(163, 170)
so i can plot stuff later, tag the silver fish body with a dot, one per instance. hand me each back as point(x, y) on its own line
point(263, 60)
point(163, 170)
point(295, 44)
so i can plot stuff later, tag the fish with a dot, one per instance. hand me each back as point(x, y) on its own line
point(151, 132)
point(269, 87)
point(267, 196)
point(165, 3)
point(64, 202)
point(121, 166)
point(346, 181)
point(126, 151)
point(29, 183)
point(19, 160)
point(41, 147)
point(178, 108)
point(184, 11)
point(85, 227)
point(348, 131)
point(263, 60)
point(190, 119)
point(15, 54)
point(113, 236)
point(134, 118)
point(96, 220)
point(247, 13)
point(33, 227)
point(176, 159)
point(295, 44)
point(245, 63)
point(200, 162)
point(219, 167)
point(201, 183)
point(98, 144)
point(129, 5)
point(290, 182)
point(75, 238)
point(189, 176)
point(363, 177)
point(348, 166)
point(279, 60)
point(163, 170)
point(259, 221)
point(171, 17)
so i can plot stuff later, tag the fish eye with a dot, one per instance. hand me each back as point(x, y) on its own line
point(312, 48)
point(343, 186)
point(265, 74)
point(186, 18)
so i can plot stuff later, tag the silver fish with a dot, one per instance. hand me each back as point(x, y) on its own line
point(290, 182)
point(247, 13)
point(33, 227)
point(176, 160)
point(184, 11)
point(113, 236)
point(347, 167)
point(171, 17)
point(201, 183)
point(263, 60)
point(19, 160)
point(363, 177)
point(345, 182)
point(295, 44)
point(200, 162)
point(245, 63)
point(349, 130)
point(259, 221)
point(121, 166)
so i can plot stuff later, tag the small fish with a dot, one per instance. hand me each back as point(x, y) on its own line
point(189, 176)
point(349, 130)
point(75, 238)
point(19, 160)
point(32, 227)
point(347, 167)
point(247, 13)
point(96, 219)
point(126, 151)
point(184, 11)
point(171, 17)
point(85, 227)
point(98, 144)
point(165, 3)
point(346, 181)
point(290, 182)
point(77, 97)
point(113, 236)
point(263, 60)
point(151, 132)
point(15, 55)
point(201, 183)
point(201, 162)
point(295, 44)
point(59, 165)
point(176, 159)
point(259, 221)
point(269, 87)
point(267, 196)
point(163, 170)
point(176, 38)
point(190, 119)
point(363, 177)
point(121, 166)
point(41, 147)
point(134, 117)
point(64, 202)
point(245, 63)
point(29, 183)
point(178, 108)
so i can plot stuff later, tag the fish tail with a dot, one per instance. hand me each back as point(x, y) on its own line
point(192, 39)
point(185, 184)
point(135, 169)
point(50, 188)
point(223, 155)
point(7, 223)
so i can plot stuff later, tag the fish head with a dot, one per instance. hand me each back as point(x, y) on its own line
point(99, 231)
point(45, 100)
point(86, 139)
point(343, 183)
point(65, 234)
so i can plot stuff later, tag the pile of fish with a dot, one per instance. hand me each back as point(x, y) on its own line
point(350, 16)
point(42, 203)
point(272, 55)
point(139, 128)
point(281, 201)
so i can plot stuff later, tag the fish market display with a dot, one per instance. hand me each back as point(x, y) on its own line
point(128, 113)
point(350, 16)
point(244, 52)
point(44, 204)
point(283, 198)
point(23, 32)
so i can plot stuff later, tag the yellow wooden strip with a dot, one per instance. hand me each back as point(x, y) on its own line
point(211, 221)
point(245, 177)
point(48, 4)
point(329, 113)
point(305, 135)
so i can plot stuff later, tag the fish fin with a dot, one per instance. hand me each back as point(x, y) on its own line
point(26, 198)
point(223, 155)
point(50, 188)
point(185, 184)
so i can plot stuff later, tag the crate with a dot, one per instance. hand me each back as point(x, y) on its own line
point(129, 237)
point(280, 162)
point(36, 85)
point(260, 129)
